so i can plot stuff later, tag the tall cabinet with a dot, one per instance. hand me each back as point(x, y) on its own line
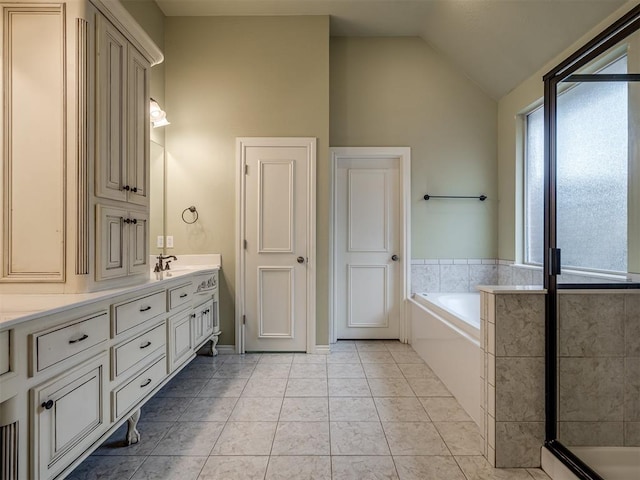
point(74, 195)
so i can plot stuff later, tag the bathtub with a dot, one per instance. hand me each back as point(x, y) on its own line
point(445, 332)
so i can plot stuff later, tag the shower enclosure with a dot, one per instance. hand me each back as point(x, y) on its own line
point(591, 255)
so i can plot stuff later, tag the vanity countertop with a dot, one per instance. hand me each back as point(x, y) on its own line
point(18, 308)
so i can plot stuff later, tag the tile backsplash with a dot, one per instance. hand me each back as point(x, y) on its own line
point(464, 274)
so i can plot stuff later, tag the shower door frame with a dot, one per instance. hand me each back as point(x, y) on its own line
point(611, 36)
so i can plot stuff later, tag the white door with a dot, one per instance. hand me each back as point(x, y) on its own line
point(276, 253)
point(368, 248)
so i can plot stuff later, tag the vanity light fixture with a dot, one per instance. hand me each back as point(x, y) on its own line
point(157, 115)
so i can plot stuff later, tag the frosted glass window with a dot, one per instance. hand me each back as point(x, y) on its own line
point(592, 157)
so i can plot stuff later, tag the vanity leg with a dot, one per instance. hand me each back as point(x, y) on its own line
point(133, 435)
point(214, 342)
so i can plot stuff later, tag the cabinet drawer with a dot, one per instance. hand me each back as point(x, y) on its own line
point(136, 389)
point(128, 354)
point(134, 312)
point(180, 295)
point(58, 344)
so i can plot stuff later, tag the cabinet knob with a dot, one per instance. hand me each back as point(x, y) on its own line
point(134, 189)
point(127, 220)
point(126, 187)
point(193, 315)
point(47, 405)
point(134, 221)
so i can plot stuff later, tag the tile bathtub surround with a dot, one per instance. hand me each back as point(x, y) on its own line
point(512, 342)
point(452, 275)
point(599, 368)
point(296, 416)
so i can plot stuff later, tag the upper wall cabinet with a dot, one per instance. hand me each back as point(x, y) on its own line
point(122, 172)
point(74, 135)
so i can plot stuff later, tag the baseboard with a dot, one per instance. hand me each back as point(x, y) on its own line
point(226, 349)
point(323, 349)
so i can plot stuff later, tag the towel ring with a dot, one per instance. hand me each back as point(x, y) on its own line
point(191, 209)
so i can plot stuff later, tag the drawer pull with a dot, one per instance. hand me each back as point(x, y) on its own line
point(83, 337)
point(47, 405)
point(184, 295)
point(146, 383)
point(145, 345)
point(145, 309)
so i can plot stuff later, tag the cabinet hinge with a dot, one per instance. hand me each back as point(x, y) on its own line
point(244, 319)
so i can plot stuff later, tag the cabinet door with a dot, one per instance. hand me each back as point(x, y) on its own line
point(111, 171)
point(138, 226)
point(180, 341)
point(68, 414)
point(138, 129)
point(111, 242)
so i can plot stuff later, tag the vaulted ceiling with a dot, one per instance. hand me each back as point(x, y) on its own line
point(496, 43)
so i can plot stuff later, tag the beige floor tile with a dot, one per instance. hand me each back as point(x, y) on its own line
point(235, 370)
point(390, 387)
point(276, 358)
point(106, 468)
point(164, 409)
point(428, 468)
point(396, 346)
point(349, 387)
point(223, 387)
point(307, 467)
point(209, 409)
point(306, 387)
point(372, 346)
point(305, 358)
point(358, 438)
point(258, 386)
point(382, 370)
point(352, 409)
point(400, 409)
point(301, 438)
point(308, 370)
point(228, 468)
point(414, 438)
point(477, 468)
point(170, 468)
point(406, 357)
point(375, 357)
point(416, 370)
point(363, 467)
point(267, 370)
point(462, 438)
point(444, 409)
point(257, 409)
point(538, 474)
point(344, 357)
point(428, 387)
point(344, 346)
point(345, 370)
point(245, 438)
point(305, 409)
point(189, 438)
point(244, 358)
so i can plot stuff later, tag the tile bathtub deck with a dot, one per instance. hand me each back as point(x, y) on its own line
point(369, 410)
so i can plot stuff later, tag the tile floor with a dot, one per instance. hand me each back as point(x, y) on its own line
point(369, 410)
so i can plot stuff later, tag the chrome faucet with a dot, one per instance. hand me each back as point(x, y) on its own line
point(160, 267)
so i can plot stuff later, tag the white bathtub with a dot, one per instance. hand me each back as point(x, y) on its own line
point(445, 332)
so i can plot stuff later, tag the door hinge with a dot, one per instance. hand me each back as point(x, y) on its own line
point(244, 319)
point(245, 244)
point(554, 261)
point(246, 169)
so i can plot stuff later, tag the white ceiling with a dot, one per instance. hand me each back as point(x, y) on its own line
point(497, 43)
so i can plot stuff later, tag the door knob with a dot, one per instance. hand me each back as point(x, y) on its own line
point(394, 258)
point(300, 259)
